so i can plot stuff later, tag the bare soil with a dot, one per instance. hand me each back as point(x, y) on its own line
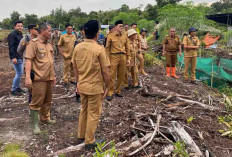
point(117, 116)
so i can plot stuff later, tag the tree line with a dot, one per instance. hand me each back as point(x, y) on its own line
point(144, 17)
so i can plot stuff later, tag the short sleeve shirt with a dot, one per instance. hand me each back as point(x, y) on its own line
point(41, 55)
point(188, 42)
point(89, 57)
point(172, 43)
point(67, 42)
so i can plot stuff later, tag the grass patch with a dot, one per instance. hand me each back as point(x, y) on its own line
point(13, 150)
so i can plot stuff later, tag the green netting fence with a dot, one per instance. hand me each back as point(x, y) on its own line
point(214, 71)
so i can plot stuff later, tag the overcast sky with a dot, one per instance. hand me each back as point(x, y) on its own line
point(44, 7)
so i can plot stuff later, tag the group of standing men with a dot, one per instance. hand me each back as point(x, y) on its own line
point(95, 68)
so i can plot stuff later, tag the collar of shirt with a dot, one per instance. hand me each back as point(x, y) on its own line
point(90, 40)
point(68, 35)
point(117, 33)
point(42, 41)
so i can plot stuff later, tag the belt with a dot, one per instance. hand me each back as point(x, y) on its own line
point(118, 53)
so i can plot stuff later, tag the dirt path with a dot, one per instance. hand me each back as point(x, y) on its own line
point(117, 117)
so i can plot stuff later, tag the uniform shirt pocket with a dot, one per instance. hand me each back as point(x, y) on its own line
point(41, 53)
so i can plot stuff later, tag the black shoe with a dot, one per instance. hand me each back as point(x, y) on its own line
point(109, 98)
point(20, 90)
point(126, 88)
point(194, 82)
point(79, 141)
point(78, 98)
point(73, 82)
point(119, 95)
point(94, 145)
point(16, 93)
point(137, 87)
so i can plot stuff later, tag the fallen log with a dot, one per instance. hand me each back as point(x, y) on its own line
point(150, 138)
point(179, 134)
point(199, 103)
point(68, 149)
point(166, 151)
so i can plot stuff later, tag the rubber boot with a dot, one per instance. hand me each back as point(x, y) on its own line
point(168, 71)
point(35, 122)
point(173, 72)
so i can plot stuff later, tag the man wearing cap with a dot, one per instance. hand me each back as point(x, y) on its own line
point(92, 72)
point(39, 58)
point(55, 39)
point(132, 68)
point(171, 46)
point(66, 47)
point(191, 45)
point(33, 33)
point(117, 49)
point(33, 30)
point(144, 48)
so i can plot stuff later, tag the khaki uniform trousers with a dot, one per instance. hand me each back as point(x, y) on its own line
point(140, 57)
point(117, 68)
point(171, 59)
point(91, 106)
point(134, 73)
point(42, 98)
point(193, 62)
point(68, 74)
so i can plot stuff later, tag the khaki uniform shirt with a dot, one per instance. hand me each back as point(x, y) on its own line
point(143, 43)
point(188, 42)
point(137, 41)
point(41, 56)
point(118, 43)
point(55, 38)
point(67, 42)
point(89, 57)
point(172, 43)
point(133, 52)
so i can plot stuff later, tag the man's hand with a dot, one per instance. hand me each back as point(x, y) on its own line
point(163, 53)
point(105, 93)
point(54, 81)
point(14, 61)
point(128, 63)
point(28, 82)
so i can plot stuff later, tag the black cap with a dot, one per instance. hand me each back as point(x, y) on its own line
point(143, 30)
point(192, 29)
point(33, 26)
point(118, 22)
point(91, 27)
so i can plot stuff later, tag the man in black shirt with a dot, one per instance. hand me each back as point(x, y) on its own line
point(13, 41)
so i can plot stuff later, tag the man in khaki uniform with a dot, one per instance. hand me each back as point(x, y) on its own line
point(39, 58)
point(92, 71)
point(66, 47)
point(132, 68)
point(171, 46)
point(55, 39)
point(144, 48)
point(191, 45)
point(117, 48)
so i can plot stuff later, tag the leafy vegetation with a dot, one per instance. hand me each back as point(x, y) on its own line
point(180, 150)
point(112, 152)
point(227, 121)
point(190, 119)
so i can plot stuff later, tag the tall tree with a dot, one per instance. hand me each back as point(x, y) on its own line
point(222, 6)
point(30, 19)
point(6, 23)
point(162, 3)
point(14, 17)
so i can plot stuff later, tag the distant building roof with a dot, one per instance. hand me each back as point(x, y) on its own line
point(221, 18)
point(104, 26)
